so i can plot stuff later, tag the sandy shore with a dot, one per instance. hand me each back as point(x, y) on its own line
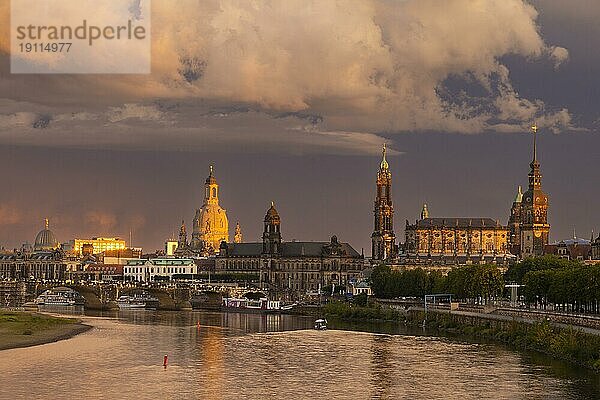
point(13, 337)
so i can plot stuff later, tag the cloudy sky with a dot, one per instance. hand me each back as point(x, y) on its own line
point(291, 101)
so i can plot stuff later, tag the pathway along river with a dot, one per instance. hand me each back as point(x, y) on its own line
point(240, 356)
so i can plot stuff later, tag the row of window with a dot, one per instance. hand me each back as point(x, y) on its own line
point(158, 270)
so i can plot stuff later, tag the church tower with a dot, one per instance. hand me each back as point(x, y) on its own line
point(237, 237)
point(211, 226)
point(182, 243)
point(514, 224)
point(383, 239)
point(534, 211)
point(272, 233)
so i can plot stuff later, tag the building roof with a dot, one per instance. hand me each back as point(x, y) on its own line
point(457, 223)
point(244, 249)
point(293, 249)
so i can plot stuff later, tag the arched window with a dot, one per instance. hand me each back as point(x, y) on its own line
point(214, 192)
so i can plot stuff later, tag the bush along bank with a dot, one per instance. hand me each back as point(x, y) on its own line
point(374, 312)
point(568, 344)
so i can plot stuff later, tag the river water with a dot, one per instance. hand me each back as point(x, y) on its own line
point(239, 356)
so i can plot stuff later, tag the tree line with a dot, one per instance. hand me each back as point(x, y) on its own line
point(471, 282)
point(549, 280)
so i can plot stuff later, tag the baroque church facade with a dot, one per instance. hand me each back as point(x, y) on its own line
point(528, 221)
point(210, 225)
point(455, 241)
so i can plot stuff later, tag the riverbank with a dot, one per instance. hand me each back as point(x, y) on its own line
point(561, 342)
point(24, 329)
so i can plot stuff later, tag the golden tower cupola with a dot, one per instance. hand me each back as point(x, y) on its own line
point(211, 226)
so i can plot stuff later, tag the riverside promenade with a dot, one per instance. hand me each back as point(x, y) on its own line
point(585, 323)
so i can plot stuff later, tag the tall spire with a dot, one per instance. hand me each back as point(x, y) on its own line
point(534, 129)
point(535, 178)
point(46, 223)
point(384, 164)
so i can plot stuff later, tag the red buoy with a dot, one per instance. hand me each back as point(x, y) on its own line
point(165, 360)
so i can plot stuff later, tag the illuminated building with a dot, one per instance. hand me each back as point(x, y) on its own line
point(383, 240)
point(210, 226)
point(528, 220)
point(456, 240)
point(99, 244)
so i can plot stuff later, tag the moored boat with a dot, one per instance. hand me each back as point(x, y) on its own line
point(262, 305)
point(137, 301)
point(60, 296)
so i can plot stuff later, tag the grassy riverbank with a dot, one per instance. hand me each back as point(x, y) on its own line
point(23, 329)
point(568, 344)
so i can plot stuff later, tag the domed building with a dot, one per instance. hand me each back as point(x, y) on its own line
point(45, 239)
point(210, 226)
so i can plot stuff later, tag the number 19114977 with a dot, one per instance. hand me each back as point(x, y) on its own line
point(56, 47)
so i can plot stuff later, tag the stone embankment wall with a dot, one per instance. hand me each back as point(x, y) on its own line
point(588, 321)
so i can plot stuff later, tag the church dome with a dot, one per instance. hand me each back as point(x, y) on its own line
point(45, 239)
point(272, 214)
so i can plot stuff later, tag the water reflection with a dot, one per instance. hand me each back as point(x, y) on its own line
point(381, 367)
point(232, 356)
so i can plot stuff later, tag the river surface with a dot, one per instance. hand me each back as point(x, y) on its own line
point(252, 356)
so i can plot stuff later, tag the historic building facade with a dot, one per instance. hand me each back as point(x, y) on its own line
point(46, 261)
point(159, 269)
point(292, 268)
point(383, 240)
point(456, 241)
point(210, 225)
point(528, 219)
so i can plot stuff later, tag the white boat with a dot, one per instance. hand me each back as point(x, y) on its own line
point(137, 301)
point(61, 296)
point(321, 324)
point(262, 305)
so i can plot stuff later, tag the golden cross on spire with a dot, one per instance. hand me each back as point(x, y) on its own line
point(534, 128)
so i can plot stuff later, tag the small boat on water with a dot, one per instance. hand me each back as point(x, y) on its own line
point(60, 296)
point(137, 301)
point(321, 324)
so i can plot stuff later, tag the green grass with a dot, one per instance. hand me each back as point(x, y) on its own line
point(26, 323)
